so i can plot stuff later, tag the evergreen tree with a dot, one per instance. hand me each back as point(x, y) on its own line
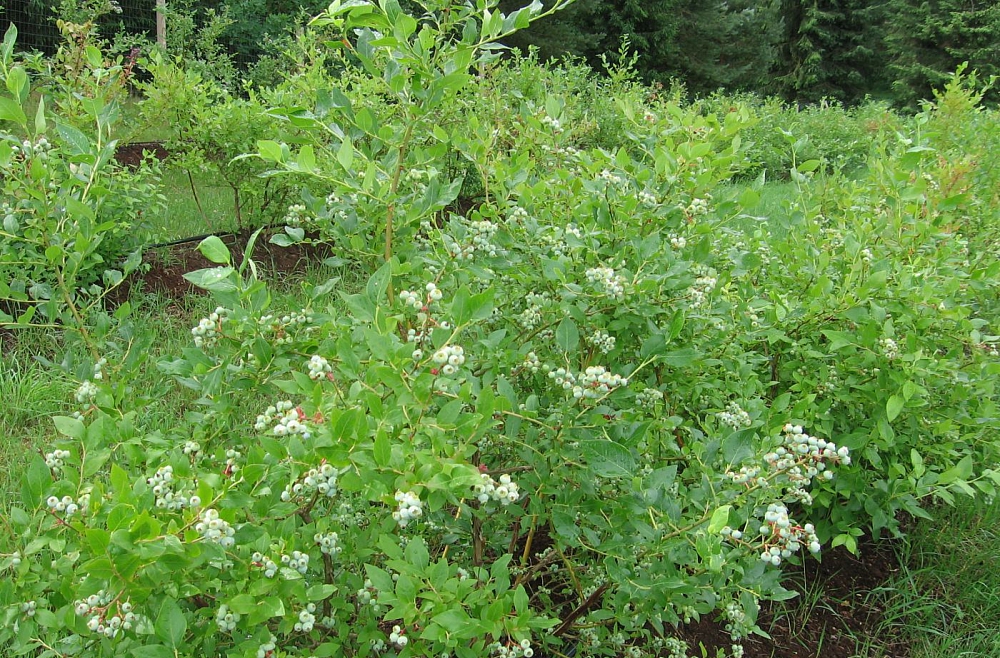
point(926, 42)
point(829, 50)
point(707, 44)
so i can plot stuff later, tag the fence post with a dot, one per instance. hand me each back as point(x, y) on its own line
point(161, 23)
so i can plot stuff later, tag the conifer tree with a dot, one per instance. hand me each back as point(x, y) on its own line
point(927, 41)
point(830, 49)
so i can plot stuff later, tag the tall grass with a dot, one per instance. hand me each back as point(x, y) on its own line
point(946, 600)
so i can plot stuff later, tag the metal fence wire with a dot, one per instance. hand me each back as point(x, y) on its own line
point(36, 22)
point(135, 23)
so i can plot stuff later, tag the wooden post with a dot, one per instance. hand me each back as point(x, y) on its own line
point(161, 23)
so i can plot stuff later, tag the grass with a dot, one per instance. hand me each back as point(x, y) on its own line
point(947, 598)
point(31, 394)
point(186, 216)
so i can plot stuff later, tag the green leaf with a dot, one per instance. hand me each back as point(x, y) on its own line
point(75, 139)
point(808, 166)
point(171, 624)
point(242, 604)
point(416, 553)
point(720, 519)
point(749, 198)
point(306, 159)
point(460, 311)
point(893, 407)
point(838, 339)
point(382, 449)
point(94, 57)
point(68, 426)
point(959, 472)
point(345, 154)
point(607, 458)
point(216, 279)
point(378, 284)
point(680, 358)
point(270, 150)
point(36, 482)
point(40, 123)
point(567, 335)
point(17, 83)
point(11, 111)
point(215, 250)
point(153, 651)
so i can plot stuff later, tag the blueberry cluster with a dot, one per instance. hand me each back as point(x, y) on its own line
point(734, 416)
point(531, 363)
point(287, 420)
point(298, 561)
point(296, 215)
point(398, 637)
point(596, 382)
point(269, 566)
point(817, 454)
point(96, 608)
point(648, 397)
point(215, 529)
point(783, 537)
point(162, 483)
point(322, 480)
point(368, 594)
point(307, 620)
point(647, 198)
point(520, 649)
point(602, 340)
point(450, 358)
point(318, 367)
point(701, 289)
point(746, 475)
point(698, 206)
point(479, 238)
point(267, 649)
point(607, 282)
point(504, 492)
point(56, 459)
point(610, 177)
point(530, 317)
point(208, 330)
point(68, 506)
point(86, 392)
point(410, 508)
point(329, 543)
point(553, 123)
point(889, 348)
point(226, 619)
point(284, 329)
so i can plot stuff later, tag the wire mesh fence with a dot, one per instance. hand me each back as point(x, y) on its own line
point(37, 29)
point(129, 23)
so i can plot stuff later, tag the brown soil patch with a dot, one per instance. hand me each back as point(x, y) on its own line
point(164, 266)
point(132, 155)
point(834, 613)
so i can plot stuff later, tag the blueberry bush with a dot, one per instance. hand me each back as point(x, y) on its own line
point(72, 218)
point(605, 399)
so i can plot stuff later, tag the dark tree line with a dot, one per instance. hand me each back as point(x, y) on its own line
point(802, 50)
